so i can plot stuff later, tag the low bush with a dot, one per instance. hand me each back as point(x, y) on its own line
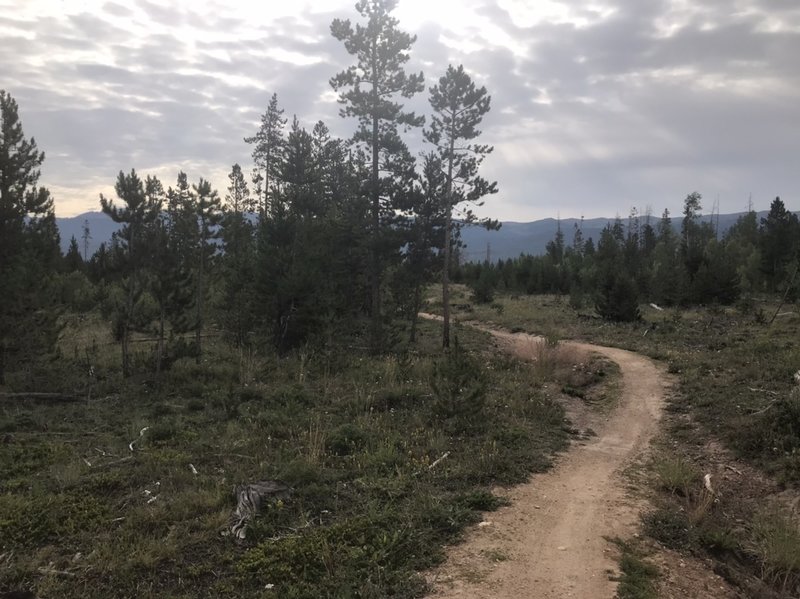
point(671, 528)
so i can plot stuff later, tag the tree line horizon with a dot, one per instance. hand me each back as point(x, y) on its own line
point(348, 233)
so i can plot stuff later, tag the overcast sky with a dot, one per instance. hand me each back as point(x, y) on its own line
point(597, 105)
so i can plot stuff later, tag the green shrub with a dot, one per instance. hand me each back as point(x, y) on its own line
point(346, 440)
point(161, 432)
point(617, 298)
point(671, 528)
point(718, 540)
point(300, 472)
point(459, 391)
point(484, 287)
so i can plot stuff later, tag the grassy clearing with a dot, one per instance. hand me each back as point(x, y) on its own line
point(354, 435)
point(735, 372)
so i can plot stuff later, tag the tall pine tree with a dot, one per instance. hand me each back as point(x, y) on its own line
point(369, 91)
point(137, 214)
point(29, 246)
point(458, 109)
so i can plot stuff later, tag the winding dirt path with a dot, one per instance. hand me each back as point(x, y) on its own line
point(551, 541)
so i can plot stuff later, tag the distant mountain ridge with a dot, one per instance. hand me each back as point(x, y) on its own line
point(510, 241)
point(515, 238)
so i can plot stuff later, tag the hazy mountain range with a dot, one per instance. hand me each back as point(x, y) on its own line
point(511, 240)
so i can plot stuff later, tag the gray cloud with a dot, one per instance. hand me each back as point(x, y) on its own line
point(591, 114)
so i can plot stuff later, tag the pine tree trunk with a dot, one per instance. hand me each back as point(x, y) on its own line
point(199, 326)
point(126, 327)
point(160, 346)
point(446, 284)
point(126, 368)
point(3, 362)
point(412, 337)
point(375, 274)
point(446, 268)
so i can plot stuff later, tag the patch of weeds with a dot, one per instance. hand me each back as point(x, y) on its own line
point(346, 440)
point(195, 405)
point(773, 436)
point(24, 459)
point(496, 555)
point(775, 541)
point(398, 398)
point(671, 528)
point(162, 432)
point(30, 521)
point(299, 473)
point(325, 561)
point(251, 394)
point(295, 398)
point(276, 423)
point(19, 422)
point(718, 541)
point(638, 578)
point(676, 475)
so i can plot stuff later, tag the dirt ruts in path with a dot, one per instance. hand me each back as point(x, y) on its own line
point(551, 541)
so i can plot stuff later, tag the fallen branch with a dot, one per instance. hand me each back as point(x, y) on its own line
point(436, 462)
point(233, 455)
point(769, 405)
point(55, 572)
point(141, 434)
point(732, 469)
point(763, 391)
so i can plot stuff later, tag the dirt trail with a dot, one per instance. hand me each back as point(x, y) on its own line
point(551, 541)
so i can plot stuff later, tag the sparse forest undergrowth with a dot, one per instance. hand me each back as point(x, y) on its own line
point(354, 435)
point(735, 416)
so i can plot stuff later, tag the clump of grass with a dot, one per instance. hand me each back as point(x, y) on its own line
point(700, 504)
point(775, 540)
point(676, 475)
point(552, 359)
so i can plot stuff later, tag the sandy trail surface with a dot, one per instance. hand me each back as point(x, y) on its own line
point(551, 542)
